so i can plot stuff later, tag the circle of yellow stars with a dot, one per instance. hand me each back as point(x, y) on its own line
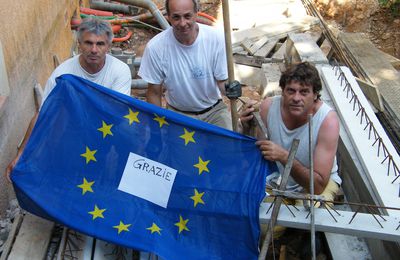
point(89, 155)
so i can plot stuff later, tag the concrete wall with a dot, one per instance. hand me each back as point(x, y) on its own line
point(31, 32)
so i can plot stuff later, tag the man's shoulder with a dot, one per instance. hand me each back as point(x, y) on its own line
point(115, 62)
point(159, 40)
point(210, 32)
point(117, 67)
point(68, 66)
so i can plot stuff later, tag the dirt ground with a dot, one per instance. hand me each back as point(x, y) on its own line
point(379, 23)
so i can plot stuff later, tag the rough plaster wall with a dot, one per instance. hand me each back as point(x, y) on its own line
point(31, 33)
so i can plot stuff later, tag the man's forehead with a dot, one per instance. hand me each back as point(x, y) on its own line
point(298, 84)
point(181, 6)
point(89, 36)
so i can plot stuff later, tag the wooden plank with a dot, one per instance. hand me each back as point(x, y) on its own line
point(33, 239)
point(372, 93)
point(246, 44)
point(11, 237)
point(250, 60)
point(302, 47)
point(278, 28)
point(237, 49)
point(258, 44)
point(279, 55)
point(363, 225)
point(267, 48)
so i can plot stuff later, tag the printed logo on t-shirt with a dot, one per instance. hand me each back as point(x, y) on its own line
point(199, 73)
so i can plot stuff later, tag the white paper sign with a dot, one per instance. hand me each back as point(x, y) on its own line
point(147, 179)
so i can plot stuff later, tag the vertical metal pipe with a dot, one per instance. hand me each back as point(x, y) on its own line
point(152, 7)
point(311, 157)
point(229, 59)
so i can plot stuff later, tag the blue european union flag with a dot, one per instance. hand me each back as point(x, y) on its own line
point(140, 176)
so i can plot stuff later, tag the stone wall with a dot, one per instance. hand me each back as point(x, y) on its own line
point(31, 33)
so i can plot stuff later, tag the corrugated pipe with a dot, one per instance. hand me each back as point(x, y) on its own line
point(122, 39)
point(116, 8)
point(90, 11)
point(149, 5)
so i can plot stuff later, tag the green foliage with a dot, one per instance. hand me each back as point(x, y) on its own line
point(392, 5)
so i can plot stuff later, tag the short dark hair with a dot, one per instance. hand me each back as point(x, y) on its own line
point(304, 73)
point(196, 6)
point(96, 26)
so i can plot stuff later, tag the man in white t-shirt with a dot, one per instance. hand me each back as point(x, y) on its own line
point(189, 60)
point(94, 64)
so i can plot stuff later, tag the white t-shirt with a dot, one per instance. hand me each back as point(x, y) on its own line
point(115, 75)
point(189, 73)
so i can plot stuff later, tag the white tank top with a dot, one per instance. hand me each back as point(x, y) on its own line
point(279, 134)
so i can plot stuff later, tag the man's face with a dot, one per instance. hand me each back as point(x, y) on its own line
point(93, 49)
point(182, 18)
point(298, 100)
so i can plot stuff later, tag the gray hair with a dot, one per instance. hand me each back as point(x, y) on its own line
point(196, 6)
point(96, 26)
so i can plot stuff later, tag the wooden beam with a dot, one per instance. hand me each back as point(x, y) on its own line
point(11, 236)
point(267, 48)
point(250, 60)
point(302, 47)
point(33, 238)
point(258, 44)
point(372, 93)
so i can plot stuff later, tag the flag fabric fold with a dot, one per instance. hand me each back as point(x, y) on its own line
point(128, 172)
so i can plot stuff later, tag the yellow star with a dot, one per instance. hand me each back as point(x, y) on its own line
point(132, 117)
point(182, 224)
point(97, 213)
point(197, 197)
point(122, 227)
point(188, 136)
point(89, 155)
point(202, 165)
point(105, 129)
point(86, 186)
point(160, 120)
point(154, 228)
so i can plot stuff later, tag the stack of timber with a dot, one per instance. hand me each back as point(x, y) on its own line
point(265, 43)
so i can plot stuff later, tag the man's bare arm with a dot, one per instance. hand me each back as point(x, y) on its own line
point(154, 93)
point(324, 154)
point(28, 133)
point(221, 86)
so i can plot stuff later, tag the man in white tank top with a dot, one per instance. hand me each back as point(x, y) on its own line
point(286, 118)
